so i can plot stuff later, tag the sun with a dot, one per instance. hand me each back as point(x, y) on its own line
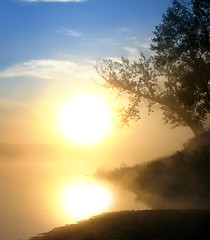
point(85, 119)
point(84, 199)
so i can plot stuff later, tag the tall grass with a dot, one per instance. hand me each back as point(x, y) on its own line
point(181, 180)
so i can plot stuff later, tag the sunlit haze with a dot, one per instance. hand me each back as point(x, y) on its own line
point(58, 125)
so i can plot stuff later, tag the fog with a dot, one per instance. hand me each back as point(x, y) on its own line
point(176, 181)
point(32, 175)
point(30, 190)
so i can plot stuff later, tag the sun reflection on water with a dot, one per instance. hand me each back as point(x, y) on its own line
point(82, 199)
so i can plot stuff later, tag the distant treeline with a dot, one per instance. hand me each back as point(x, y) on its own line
point(181, 180)
point(16, 152)
point(19, 151)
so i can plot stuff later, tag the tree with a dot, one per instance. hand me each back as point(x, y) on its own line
point(176, 77)
point(182, 55)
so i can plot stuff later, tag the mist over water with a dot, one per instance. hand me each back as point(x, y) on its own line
point(33, 176)
point(31, 182)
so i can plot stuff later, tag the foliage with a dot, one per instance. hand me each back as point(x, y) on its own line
point(176, 78)
point(178, 181)
point(133, 225)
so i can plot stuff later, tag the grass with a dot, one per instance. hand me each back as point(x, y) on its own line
point(137, 225)
point(181, 180)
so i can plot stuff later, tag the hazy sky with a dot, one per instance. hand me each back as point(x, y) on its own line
point(48, 48)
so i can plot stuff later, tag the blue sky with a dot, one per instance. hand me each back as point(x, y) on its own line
point(89, 28)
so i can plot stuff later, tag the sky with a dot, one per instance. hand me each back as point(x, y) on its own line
point(48, 51)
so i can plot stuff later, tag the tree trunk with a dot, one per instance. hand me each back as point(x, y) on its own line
point(195, 129)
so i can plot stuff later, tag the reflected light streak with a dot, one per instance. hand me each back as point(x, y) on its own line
point(84, 199)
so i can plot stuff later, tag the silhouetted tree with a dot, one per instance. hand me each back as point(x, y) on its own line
point(176, 78)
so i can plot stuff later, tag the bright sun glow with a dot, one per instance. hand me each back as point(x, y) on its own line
point(84, 199)
point(85, 119)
